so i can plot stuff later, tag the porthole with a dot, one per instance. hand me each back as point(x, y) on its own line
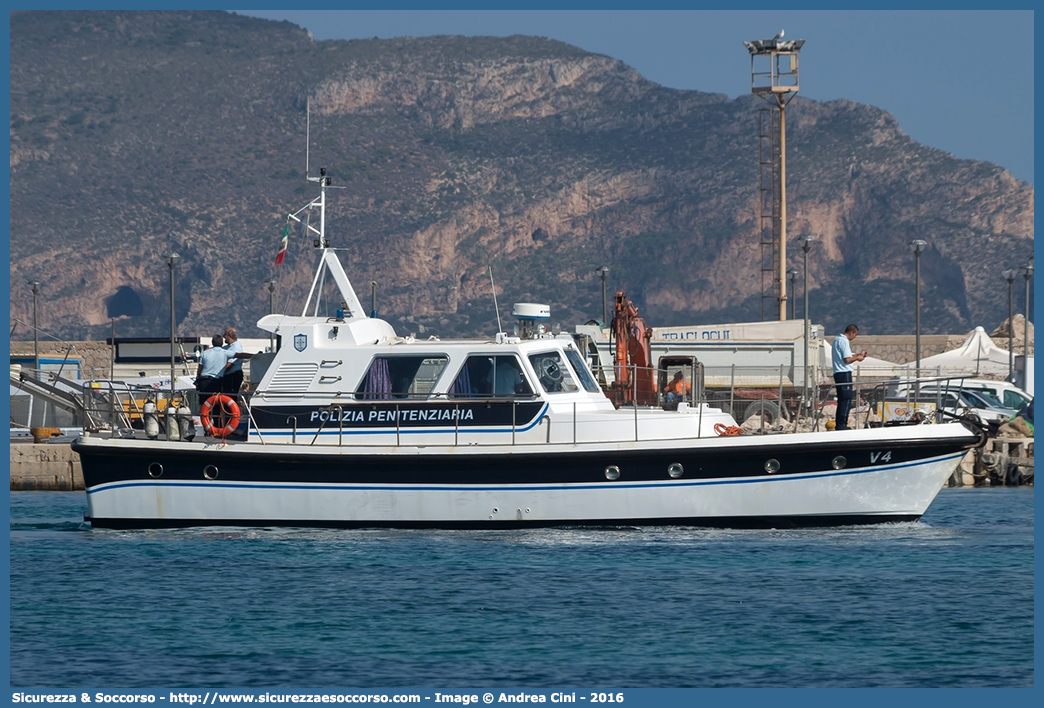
point(155, 470)
point(210, 472)
point(612, 472)
point(839, 462)
point(675, 470)
point(771, 465)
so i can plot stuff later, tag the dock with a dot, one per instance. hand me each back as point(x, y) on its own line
point(1003, 462)
point(45, 466)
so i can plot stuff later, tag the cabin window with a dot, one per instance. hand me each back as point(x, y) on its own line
point(400, 377)
point(553, 373)
point(582, 372)
point(490, 376)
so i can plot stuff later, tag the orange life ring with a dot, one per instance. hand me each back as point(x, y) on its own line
point(727, 430)
point(227, 412)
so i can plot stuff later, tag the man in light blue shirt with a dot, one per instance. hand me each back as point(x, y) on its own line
point(843, 358)
point(211, 367)
point(507, 377)
point(232, 381)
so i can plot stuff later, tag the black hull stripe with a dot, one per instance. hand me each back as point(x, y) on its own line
point(407, 428)
point(487, 487)
point(722, 522)
point(523, 466)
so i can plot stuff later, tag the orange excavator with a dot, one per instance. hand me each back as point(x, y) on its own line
point(635, 376)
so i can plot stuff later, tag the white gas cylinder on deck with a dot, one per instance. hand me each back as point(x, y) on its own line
point(186, 427)
point(151, 419)
point(173, 431)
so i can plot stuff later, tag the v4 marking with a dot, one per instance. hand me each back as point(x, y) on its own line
point(876, 457)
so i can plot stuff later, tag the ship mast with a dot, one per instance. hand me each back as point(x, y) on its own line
point(328, 261)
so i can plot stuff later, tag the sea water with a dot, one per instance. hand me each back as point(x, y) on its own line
point(943, 602)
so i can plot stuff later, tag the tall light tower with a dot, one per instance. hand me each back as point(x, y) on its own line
point(172, 260)
point(35, 285)
point(774, 77)
point(1027, 273)
point(1009, 275)
point(917, 246)
point(604, 270)
point(806, 246)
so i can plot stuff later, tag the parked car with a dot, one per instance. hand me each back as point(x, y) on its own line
point(1009, 395)
point(958, 402)
point(985, 400)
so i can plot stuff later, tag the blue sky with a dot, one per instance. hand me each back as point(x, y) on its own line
point(960, 81)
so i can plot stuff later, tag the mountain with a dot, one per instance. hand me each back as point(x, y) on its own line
point(135, 133)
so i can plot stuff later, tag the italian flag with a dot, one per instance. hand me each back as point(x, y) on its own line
point(282, 246)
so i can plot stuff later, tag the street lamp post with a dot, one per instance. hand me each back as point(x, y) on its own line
point(1009, 275)
point(1027, 273)
point(112, 349)
point(172, 260)
point(36, 331)
point(793, 299)
point(806, 246)
point(917, 246)
point(271, 310)
point(605, 312)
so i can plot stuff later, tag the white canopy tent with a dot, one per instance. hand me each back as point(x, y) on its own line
point(978, 356)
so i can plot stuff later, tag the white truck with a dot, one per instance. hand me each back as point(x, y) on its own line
point(749, 367)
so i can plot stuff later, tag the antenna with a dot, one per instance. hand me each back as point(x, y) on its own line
point(495, 305)
point(308, 128)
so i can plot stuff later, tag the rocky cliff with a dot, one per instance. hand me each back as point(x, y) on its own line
point(134, 133)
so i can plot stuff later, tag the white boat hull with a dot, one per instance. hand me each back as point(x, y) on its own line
point(863, 494)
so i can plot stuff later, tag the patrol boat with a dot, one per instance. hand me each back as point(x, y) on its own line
point(352, 425)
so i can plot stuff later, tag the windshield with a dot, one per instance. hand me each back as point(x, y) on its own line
point(987, 399)
point(582, 372)
point(553, 373)
point(984, 399)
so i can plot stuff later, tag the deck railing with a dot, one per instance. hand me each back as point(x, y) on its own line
point(782, 408)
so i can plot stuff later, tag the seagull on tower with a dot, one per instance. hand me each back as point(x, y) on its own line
point(780, 35)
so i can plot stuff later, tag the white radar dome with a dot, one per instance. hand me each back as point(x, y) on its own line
point(531, 311)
